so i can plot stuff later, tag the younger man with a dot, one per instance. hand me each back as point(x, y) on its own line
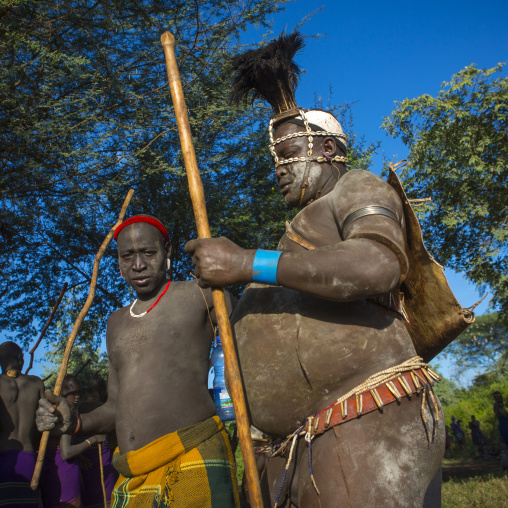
point(171, 446)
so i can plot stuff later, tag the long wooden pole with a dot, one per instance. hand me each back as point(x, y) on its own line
point(198, 203)
point(46, 326)
point(102, 477)
point(72, 337)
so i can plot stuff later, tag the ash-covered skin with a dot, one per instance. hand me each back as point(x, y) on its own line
point(304, 344)
point(158, 364)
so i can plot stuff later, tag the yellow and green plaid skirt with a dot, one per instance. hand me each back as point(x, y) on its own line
point(192, 467)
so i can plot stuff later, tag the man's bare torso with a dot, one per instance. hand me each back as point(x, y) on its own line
point(18, 401)
point(298, 352)
point(161, 365)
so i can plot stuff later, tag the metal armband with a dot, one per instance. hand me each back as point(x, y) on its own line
point(370, 210)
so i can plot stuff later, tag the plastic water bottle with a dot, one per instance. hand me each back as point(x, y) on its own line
point(223, 402)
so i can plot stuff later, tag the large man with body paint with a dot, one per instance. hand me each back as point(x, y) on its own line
point(331, 323)
point(19, 438)
point(158, 400)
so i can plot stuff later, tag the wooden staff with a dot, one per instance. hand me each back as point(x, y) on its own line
point(72, 337)
point(46, 326)
point(198, 203)
point(102, 477)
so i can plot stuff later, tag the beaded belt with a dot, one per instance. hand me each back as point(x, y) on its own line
point(383, 388)
point(404, 385)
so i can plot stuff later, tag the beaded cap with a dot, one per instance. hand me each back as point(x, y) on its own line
point(270, 73)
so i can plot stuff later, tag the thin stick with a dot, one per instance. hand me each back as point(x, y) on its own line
point(72, 337)
point(82, 367)
point(46, 326)
point(198, 202)
point(102, 477)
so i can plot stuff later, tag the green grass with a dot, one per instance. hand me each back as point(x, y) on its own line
point(230, 429)
point(490, 491)
point(239, 466)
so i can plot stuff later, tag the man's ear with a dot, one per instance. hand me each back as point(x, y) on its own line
point(330, 146)
point(168, 249)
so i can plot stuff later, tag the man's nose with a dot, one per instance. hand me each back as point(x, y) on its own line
point(280, 171)
point(138, 262)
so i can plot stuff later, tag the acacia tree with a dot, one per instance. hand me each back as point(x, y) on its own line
point(458, 156)
point(482, 345)
point(86, 114)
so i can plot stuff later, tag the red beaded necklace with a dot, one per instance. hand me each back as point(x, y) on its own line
point(151, 307)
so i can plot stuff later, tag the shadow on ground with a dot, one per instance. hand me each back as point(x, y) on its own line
point(469, 468)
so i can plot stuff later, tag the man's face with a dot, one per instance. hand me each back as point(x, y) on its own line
point(142, 257)
point(290, 177)
point(72, 394)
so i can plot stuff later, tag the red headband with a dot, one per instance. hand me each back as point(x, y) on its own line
point(141, 218)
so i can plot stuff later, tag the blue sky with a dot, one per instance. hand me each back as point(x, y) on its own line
point(374, 53)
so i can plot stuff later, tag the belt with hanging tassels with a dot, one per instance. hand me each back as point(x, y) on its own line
point(390, 385)
point(376, 398)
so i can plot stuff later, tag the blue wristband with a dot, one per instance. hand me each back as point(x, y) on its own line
point(264, 268)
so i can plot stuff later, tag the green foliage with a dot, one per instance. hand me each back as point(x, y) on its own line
point(476, 400)
point(446, 391)
point(482, 345)
point(458, 145)
point(86, 361)
point(86, 114)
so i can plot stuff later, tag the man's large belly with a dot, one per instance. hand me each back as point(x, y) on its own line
point(298, 353)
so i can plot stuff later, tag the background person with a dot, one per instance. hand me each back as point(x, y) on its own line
point(60, 476)
point(92, 494)
point(19, 438)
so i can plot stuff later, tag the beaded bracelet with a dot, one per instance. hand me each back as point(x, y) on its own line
point(264, 268)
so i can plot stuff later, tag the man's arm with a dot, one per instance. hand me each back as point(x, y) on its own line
point(69, 451)
point(369, 262)
point(345, 271)
point(102, 419)
point(54, 413)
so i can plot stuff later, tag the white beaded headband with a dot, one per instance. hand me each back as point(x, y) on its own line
point(309, 133)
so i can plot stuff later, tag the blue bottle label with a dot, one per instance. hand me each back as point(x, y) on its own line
point(222, 398)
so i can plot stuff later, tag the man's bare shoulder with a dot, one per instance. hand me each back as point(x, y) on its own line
point(358, 180)
point(186, 286)
point(36, 380)
point(358, 189)
point(31, 384)
point(23, 378)
point(190, 292)
point(118, 314)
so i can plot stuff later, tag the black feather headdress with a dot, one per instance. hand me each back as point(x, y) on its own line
point(270, 72)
